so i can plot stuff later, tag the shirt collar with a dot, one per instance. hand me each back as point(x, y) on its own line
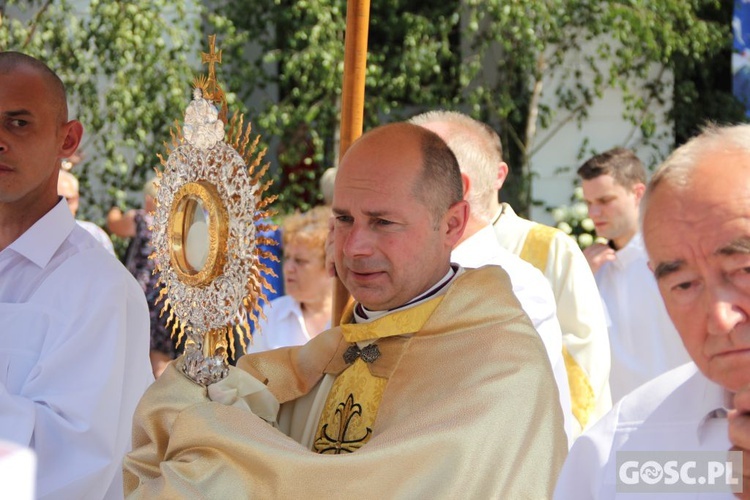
point(683, 397)
point(285, 306)
point(42, 240)
point(363, 315)
point(714, 403)
point(632, 251)
point(504, 209)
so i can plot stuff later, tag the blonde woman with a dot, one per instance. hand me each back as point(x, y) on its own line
point(305, 310)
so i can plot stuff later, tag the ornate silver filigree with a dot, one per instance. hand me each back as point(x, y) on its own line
point(202, 128)
point(218, 177)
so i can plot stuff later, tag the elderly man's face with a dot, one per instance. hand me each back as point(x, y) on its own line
point(698, 240)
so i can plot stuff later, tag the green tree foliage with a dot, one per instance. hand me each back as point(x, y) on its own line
point(703, 87)
point(492, 58)
point(127, 69)
point(129, 64)
point(577, 50)
point(296, 75)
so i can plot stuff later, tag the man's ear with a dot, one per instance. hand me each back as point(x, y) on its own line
point(502, 174)
point(639, 190)
point(456, 218)
point(72, 134)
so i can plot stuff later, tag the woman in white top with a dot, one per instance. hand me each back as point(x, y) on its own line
point(305, 310)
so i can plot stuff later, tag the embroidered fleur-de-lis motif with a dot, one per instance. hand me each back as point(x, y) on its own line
point(342, 442)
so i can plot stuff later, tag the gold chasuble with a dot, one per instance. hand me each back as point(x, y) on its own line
point(352, 405)
point(460, 402)
point(582, 398)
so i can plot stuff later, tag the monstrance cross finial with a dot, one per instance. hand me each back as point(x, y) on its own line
point(211, 58)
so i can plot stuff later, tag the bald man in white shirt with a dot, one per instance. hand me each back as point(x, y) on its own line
point(696, 228)
point(74, 336)
point(479, 247)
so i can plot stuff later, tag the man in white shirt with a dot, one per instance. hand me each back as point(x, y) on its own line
point(696, 230)
point(582, 320)
point(479, 247)
point(556, 255)
point(74, 335)
point(643, 341)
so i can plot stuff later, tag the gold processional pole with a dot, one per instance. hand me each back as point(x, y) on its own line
point(352, 103)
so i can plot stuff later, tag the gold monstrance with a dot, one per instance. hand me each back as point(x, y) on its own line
point(211, 203)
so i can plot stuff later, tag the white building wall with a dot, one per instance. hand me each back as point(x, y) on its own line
point(557, 161)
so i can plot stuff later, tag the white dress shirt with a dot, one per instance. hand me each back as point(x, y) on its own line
point(284, 326)
point(535, 295)
point(674, 412)
point(74, 343)
point(643, 340)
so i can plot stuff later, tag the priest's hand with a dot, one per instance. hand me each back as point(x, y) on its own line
point(739, 435)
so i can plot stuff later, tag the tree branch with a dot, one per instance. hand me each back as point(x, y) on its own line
point(36, 22)
point(557, 128)
point(651, 97)
point(531, 119)
point(516, 139)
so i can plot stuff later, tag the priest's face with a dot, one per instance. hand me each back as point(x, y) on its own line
point(389, 246)
point(34, 137)
point(698, 240)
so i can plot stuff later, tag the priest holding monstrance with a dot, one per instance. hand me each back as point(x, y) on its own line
point(434, 385)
